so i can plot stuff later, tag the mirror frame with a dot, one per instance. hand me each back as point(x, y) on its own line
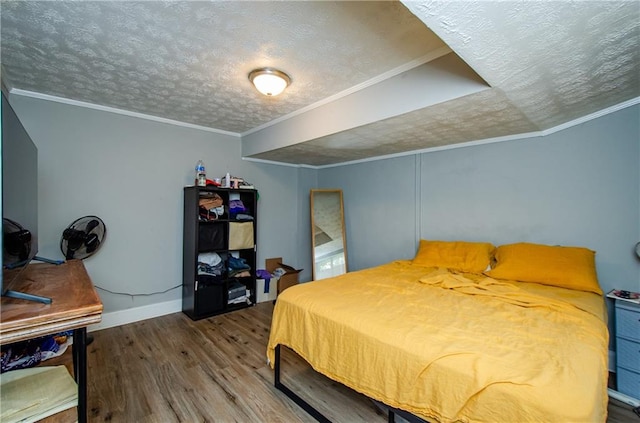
point(313, 225)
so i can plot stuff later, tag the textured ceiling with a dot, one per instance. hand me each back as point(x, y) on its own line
point(555, 61)
point(189, 61)
point(547, 63)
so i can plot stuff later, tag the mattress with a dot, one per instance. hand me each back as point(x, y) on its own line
point(452, 347)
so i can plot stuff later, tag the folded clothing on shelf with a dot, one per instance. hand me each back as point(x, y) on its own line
point(236, 206)
point(244, 216)
point(212, 259)
point(210, 264)
point(236, 266)
point(211, 207)
point(211, 201)
point(236, 290)
point(238, 294)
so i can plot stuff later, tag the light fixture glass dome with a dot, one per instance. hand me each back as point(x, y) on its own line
point(269, 81)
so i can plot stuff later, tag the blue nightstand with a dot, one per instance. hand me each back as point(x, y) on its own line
point(628, 348)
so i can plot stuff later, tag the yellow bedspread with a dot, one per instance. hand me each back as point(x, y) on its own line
point(450, 347)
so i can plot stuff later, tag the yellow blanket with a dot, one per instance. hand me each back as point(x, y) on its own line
point(450, 347)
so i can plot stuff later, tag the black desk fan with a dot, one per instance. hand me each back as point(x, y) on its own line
point(83, 237)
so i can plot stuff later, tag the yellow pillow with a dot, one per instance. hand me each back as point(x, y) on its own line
point(471, 257)
point(566, 267)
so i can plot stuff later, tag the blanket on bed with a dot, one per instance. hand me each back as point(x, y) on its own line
point(452, 347)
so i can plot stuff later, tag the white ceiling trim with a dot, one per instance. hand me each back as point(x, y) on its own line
point(594, 115)
point(273, 162)
point(546, 132)
point(17, 91)
point(433, 55)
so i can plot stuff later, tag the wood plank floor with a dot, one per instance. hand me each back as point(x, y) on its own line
point(172, 369)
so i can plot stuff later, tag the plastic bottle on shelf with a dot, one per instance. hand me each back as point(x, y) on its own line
point(227, 183)
point(201, 177)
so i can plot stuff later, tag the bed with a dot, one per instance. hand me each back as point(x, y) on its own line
point(445, 340)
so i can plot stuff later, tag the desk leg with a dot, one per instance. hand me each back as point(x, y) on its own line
point(80, 370)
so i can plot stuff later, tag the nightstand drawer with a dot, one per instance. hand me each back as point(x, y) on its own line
point(628, 382)
point(628, 354)
point(627, 321)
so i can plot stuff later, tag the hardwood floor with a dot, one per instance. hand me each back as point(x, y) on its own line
point(172, 369)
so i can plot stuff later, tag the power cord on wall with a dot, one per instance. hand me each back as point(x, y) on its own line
point(144, 294)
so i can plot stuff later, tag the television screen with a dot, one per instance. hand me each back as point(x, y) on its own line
point(19, 193)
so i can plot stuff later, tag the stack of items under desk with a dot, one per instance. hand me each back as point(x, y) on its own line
point(36, 393)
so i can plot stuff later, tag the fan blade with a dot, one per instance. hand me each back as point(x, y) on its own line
point(93, 223)
point(74, 238)
point(92, 243)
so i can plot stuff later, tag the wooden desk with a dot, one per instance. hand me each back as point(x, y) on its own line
point(75, 305)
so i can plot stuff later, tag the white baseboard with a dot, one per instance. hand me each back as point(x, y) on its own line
point(122, 317)
point(624, 398)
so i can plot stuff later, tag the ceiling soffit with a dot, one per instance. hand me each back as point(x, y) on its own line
point(447, 123)
point(434, 82)
point(548, 63)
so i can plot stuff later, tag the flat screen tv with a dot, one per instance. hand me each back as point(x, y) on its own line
point(19, 201)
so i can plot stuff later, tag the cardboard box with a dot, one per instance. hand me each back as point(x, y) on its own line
point(290, 278)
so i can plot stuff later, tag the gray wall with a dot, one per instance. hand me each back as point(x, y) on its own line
point(307, 180)
point(380, 206)
point(131, 172)
point(579, 186)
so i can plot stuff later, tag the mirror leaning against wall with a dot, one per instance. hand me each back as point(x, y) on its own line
point(329, 249)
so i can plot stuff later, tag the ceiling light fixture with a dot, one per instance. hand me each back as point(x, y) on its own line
point(269, 81)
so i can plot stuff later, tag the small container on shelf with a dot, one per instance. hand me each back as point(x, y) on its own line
point(201, 176)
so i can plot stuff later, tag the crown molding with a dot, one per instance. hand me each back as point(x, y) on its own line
point(273, 162)
point(543, 133)
point(595, 115)
point(24, 93)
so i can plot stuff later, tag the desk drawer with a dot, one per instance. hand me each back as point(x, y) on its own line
point(628, 354)
point(627, 321)
point(628, 382)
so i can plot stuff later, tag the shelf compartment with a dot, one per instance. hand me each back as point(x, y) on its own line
point(212, 237)
point(237, 293)
point(211, 294)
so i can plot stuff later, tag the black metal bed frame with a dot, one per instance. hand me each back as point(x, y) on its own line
point(318, 415)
